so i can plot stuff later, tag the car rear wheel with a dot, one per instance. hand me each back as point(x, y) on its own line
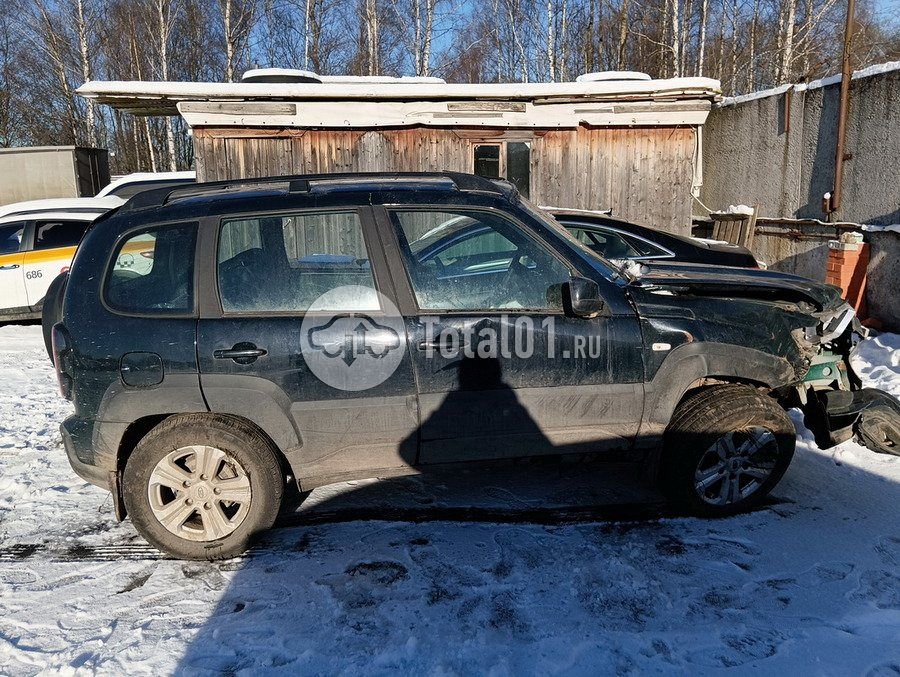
point(200, 487)
point(725, 449)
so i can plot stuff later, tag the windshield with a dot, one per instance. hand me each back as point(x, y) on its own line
point(615, 270)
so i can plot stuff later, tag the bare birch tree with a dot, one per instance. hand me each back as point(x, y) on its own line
point(163, 19)
point(237, 23)
point(701, 57)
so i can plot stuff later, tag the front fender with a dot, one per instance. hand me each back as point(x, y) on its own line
point(691, 362)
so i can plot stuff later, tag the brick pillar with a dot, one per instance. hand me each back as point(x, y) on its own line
point(847, 263)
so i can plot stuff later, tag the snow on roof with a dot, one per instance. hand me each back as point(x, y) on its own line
point(606, 76)
point(877, 69)
point(293, 75)
point(161, 98)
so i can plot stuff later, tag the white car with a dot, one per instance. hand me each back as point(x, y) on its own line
point(38, 239)
point(34, 249)
point(132, 184)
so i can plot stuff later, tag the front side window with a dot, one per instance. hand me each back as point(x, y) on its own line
point(11, 238)
point(153, 271)
point(285, 263)
point(53, 234)
point(460, 260)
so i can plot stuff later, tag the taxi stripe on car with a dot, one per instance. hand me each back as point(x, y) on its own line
point(62, 254)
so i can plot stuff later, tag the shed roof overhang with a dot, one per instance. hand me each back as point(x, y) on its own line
point(336, 105)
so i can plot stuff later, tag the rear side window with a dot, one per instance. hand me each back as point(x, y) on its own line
point(284, 263)
point(152, 271)
point(11, 238)
point(53, 234)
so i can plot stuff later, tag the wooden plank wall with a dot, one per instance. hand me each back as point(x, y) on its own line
point(642, 174)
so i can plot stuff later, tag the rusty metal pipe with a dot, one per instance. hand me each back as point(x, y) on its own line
point(835, 202)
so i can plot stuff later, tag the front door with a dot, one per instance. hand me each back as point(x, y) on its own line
point(12, 275)
point(299, 314)
point(501, 370)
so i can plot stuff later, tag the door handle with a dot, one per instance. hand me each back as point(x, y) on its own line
point(11, 266)
point(242, 353)
point(445, 342)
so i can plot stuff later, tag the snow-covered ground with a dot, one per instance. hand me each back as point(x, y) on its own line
point(809, 584)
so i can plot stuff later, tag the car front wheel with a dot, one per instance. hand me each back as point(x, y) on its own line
point(725, 449)
point(200, 487)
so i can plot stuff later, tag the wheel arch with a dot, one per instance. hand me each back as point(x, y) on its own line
point(140, 428)
point(696, 365)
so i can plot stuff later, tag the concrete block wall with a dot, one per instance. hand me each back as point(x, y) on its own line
point(883, 284)
point(776, 150)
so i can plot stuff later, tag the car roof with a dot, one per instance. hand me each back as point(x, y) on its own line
point(146, 177)
point(53, 215)
point(75, 204)
point(302, 191)
point(647, 232)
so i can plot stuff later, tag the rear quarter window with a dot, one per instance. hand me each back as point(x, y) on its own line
point(152, 271)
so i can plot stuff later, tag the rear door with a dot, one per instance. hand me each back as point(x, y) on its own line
point(51, 252)
point(301, 300)
point(12, 274)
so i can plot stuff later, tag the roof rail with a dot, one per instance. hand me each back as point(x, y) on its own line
point(303, 183)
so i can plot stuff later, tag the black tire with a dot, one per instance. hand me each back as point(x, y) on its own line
point(242, 443)
point(878, 429)
point(724, 413)
point(51, 311)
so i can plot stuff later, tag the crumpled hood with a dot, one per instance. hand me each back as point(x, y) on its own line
point(705, 280)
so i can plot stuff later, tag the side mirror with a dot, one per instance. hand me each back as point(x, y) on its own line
point(582, 297)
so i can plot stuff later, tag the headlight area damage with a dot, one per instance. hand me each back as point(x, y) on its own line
point(835, 405)
point(802, 321)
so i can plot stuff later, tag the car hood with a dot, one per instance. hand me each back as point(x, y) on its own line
point(705, 280)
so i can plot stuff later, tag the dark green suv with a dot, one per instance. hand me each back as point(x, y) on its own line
point(220, 340)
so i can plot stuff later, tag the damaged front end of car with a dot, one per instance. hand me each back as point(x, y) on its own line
point(835, 406)
point(806, 323)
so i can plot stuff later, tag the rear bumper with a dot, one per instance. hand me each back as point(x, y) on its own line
point(92, 448)
point(88, 446)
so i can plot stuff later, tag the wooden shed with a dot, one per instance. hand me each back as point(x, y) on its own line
point(616, 141)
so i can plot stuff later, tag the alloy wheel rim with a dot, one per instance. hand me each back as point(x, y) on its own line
point(736, 466)
point(199, 493)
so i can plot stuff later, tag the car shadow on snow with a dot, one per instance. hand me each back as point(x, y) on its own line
point(543, 566)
